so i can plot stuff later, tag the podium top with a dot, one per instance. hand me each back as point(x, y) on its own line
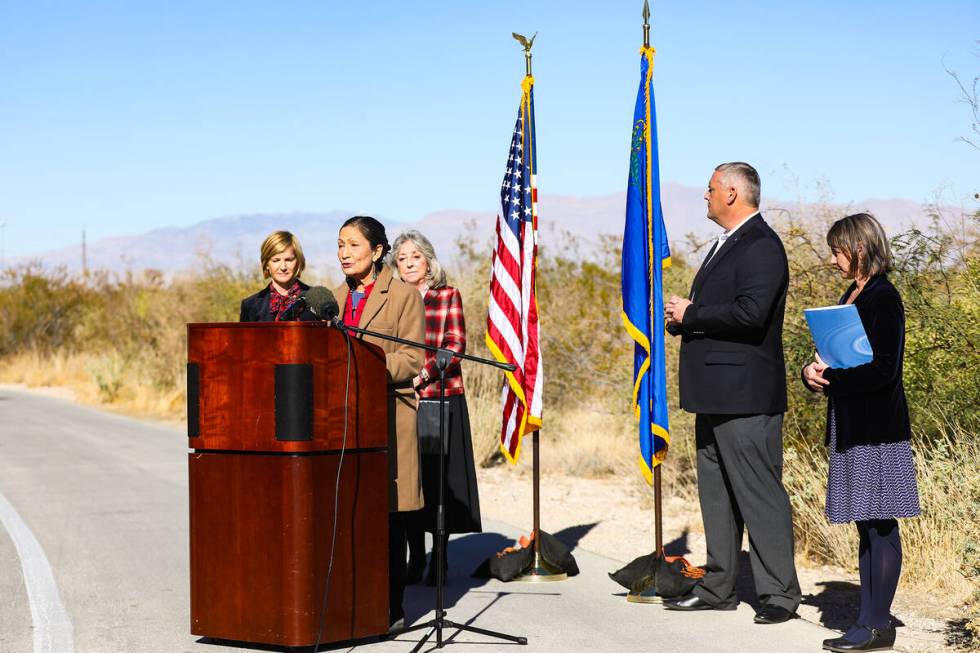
point(259, 325)
point(282, 387)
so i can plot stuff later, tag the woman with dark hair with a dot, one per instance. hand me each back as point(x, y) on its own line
point(414, 262)
point(282, 261)
point(871, 481)
point(371, 298)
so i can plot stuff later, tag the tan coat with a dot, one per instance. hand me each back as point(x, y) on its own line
point(394, 308)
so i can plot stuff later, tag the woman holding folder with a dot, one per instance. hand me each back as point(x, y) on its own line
point(871, 481)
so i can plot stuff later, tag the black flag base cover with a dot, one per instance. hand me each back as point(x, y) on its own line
point(669, 577)
point(517, 560)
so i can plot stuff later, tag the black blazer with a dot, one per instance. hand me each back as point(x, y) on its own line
point(869, 400)
point(732, 350)
point(255, 308)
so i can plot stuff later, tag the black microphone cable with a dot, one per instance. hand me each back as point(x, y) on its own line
point(336, 495)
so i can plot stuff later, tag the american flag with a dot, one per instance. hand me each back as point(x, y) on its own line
point(512, 321)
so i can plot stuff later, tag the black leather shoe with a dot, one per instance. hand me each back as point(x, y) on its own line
point(877, 639)
point(692, 602)
point(773, 614)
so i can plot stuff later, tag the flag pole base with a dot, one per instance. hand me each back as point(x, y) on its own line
point(541, 572)
point(648, 595)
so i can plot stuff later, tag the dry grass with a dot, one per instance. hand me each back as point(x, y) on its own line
point(933, 542)
point(99, 379)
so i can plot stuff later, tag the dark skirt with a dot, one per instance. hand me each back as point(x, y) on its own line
point(462, 498)
point(870, 481)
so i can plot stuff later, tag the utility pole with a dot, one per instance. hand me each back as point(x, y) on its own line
point(3, 257)
point(84, 255)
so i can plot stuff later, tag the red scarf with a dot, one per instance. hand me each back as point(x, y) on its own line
point(279, 304)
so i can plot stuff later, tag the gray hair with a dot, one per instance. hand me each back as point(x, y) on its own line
point(436, 275)
point(745, 178)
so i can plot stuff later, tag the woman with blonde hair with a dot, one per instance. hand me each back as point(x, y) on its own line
point(282, 261)
point(414, 261)
point(871, 481)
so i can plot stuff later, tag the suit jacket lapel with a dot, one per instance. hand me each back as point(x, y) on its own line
point(263, 311)
point(696, 285)
point(376, 300)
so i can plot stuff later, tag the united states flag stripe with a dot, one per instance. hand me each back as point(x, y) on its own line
point(512, 320)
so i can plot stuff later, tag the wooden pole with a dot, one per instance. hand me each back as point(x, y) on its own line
point(536, 533)
point(658, 511)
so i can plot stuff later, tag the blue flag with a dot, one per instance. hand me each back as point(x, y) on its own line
point(645, 255)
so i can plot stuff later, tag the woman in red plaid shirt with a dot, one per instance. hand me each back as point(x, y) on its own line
point(416, 264)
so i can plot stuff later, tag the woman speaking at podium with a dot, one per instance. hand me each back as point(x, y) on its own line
point(282, 261)
point(371, 298)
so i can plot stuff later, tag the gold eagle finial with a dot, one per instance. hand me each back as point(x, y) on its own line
point(523, 40)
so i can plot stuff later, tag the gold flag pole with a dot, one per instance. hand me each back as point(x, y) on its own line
point(540, 570)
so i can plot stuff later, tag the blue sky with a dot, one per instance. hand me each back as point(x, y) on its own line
point(118, 117)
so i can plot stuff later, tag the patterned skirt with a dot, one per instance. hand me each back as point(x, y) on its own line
point(870, 481)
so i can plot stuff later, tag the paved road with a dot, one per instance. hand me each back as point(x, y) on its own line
point(103, 498)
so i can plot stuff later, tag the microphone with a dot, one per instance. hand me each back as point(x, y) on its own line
point(321, 303)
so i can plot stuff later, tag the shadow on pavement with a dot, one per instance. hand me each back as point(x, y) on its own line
point(572, 535)
point(678, 546)
point(465, 554)
point(838, 603)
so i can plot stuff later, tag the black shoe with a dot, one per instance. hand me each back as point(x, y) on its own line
point(692, 602)
point(773, 614)
point(414, 570)
point(876, 639)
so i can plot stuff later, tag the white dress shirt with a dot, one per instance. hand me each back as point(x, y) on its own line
point(726, 235)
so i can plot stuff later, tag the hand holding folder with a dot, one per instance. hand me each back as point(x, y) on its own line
point(839, 335)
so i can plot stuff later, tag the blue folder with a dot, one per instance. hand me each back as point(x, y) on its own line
point(839, 335)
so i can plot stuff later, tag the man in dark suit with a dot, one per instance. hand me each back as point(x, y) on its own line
point(732, 375)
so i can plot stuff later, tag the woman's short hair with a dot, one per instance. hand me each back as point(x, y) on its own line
point(861, 230)
point(436, 275)
point(276, 243)
point(374, 231)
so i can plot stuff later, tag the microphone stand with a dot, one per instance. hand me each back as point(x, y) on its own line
point(443, 358)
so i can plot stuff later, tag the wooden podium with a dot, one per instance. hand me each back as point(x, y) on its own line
point(266, 407)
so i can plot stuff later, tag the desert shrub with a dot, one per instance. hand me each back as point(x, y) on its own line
point(40, 310)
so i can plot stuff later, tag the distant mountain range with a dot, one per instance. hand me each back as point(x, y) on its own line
point(235, 240)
